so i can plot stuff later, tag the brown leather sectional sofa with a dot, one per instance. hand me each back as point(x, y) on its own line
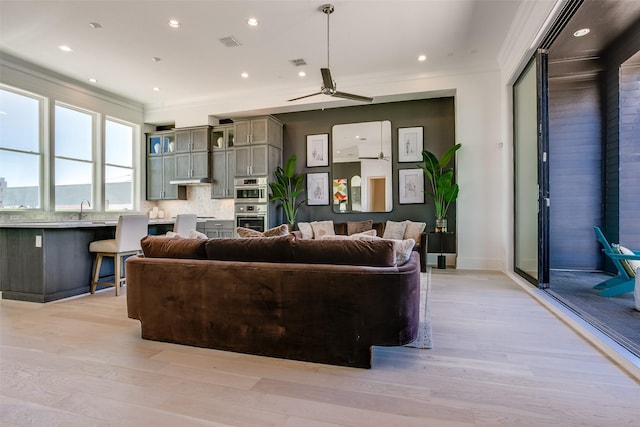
point(319, 301)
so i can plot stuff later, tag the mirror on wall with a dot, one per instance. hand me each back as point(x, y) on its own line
point(361, 167)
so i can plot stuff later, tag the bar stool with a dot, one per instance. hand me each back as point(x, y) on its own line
point(184, 224)
point(129, 231)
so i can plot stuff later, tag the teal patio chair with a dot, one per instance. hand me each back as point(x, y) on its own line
point(625, 281)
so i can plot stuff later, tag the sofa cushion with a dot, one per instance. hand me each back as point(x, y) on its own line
point(354, 227)
point(322, 228)
point(414, 230)
point(378, 253)
point(394, 230)
point(173, 247)
point(259, 249)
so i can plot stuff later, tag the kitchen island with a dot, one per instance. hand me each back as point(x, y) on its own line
point(47, 261)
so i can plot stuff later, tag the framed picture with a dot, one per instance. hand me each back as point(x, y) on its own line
point(318, 189)
point(410, 144)
point(411, 186)
point(318, 150)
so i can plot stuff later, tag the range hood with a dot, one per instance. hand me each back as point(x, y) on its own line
point(191, 181)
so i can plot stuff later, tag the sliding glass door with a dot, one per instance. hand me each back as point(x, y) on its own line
point(531, 174)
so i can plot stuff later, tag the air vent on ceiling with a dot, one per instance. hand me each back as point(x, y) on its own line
point(230, 41)
point(298, 62)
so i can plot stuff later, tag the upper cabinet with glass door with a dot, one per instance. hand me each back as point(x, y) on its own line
point(161, 143)
point(222, 137)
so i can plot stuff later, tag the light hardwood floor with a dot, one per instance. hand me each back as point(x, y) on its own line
point(499, 358)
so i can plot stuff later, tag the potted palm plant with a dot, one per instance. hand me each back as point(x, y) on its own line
point(443, 190)
point(286, 189)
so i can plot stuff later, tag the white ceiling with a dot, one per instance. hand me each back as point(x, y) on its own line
point(370, 41)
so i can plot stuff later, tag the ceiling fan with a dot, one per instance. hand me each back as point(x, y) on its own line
point(380, 155)
point(328, 84)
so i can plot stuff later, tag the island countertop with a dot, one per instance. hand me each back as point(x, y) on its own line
point(78, 224)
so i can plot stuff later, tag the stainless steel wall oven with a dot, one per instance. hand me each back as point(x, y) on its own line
point(251, 216)
point(251, 190)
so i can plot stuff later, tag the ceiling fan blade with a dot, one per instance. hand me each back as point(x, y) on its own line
point(306, 96)
point(352, 97)
point(327, 81)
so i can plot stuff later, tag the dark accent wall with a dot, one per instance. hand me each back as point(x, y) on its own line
point(620, 148)
point(436, 116)
point(629, 175)
point(575, 172)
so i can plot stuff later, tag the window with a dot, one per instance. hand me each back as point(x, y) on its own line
point(118, 166)
point(20, 150)
point(74, 158)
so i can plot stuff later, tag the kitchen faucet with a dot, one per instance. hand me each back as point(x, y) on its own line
point(82, 214)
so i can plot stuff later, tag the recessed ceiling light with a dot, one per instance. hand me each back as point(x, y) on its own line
point(156, 59)
point(582, 32)
point(302, 74)
point(174, 23)
point(157, 89)
point(92, 80)
point(245, 75)
point(65, 48)
point(95, 25)
point(253, 22)
point(422, 58)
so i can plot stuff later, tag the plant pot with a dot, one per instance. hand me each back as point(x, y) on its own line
point(441, 225)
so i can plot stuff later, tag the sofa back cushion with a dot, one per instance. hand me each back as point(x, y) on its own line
point(378, 253)
point(173, 247)
point(257, 249)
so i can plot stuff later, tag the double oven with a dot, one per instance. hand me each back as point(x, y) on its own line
point(251, 201)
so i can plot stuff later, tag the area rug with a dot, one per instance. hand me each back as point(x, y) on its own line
point(424, 339)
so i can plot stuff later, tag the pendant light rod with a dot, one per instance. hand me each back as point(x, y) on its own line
point(328, 10)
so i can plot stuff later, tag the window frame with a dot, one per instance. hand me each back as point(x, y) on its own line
point(47, 155)
point(43, 150)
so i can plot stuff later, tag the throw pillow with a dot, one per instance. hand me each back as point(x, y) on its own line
point(356, 236)
point(394, 230)
point(248, 232)
point(281, 230)
point(401, 247)
point(193, 234)
point(322, 228)
point(365, 233)
point(306, 230)
point(172, 234)
point(631, 264)
point(414, 230)
point(354, 227)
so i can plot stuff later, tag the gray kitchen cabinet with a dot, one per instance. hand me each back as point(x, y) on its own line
point(217, 229)
point(161, 168)
point(192, 153)
point(223, 174)
point(259, 130)
point(257, 160)
point(258, 146)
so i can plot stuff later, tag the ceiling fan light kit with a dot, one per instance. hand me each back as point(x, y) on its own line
point(328, 84)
